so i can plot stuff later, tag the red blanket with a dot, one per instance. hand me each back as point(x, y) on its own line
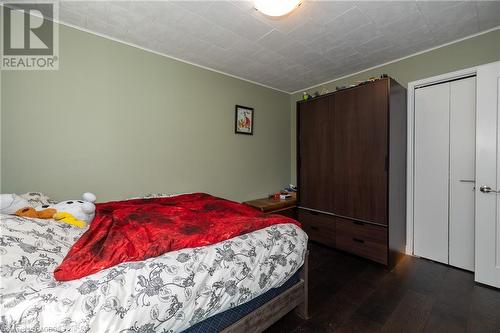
point(138, 229)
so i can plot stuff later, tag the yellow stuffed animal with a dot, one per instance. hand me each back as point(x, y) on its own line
point(75, 212)
point(78, 213)
point(70, 219)
point(39, 214)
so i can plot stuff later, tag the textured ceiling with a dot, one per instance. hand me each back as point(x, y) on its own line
point(321, 40)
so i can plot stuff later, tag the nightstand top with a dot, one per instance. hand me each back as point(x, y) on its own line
point(269, 205)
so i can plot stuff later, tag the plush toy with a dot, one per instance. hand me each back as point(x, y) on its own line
point(10, 203)
point(39, 214)
point(70, 219)
point(75, 212)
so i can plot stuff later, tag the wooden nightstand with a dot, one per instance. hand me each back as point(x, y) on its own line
point(286, 207)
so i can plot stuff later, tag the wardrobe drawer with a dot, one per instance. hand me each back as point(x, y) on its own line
point(365, 240)
point(319, 227)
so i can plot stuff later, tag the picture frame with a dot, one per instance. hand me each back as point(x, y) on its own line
point(243, 120)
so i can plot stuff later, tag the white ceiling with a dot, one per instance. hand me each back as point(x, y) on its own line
point(321, 40)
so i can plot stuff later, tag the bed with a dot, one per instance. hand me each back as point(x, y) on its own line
point(248, 281)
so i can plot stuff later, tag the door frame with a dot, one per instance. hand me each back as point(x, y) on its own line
point(410, 141)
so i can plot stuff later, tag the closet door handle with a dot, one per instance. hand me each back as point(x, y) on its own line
point(487, 189)
point(467, 180)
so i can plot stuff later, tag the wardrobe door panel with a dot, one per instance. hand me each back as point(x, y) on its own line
point(315, 154)
point(360, 152)
point(431, 172)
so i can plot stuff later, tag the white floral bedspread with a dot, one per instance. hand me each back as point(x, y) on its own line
point(168, 293)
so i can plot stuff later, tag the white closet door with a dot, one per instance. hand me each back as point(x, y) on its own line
point(462, 172)
point(487, 259)
point(431, 172)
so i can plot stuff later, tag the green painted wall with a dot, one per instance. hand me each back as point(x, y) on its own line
point(468, 53)
point(120, 122)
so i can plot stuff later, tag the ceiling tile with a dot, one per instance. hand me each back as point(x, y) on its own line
point(362, 34)
point(72, 17)
point(246, 6)
point(374, 44)
point(109, 30)
point(454, 31)
point(197, 7)
point(436, 7)
point(386, 12)
point(348, 21)
point(130, 16)
point(323, 12)
point(229, 16)
point(306, 32)
point(488, 14)
point(403, 25)
point(449, 13)
point(267, 57)
point(344, 51)
point(244, 47)
point(274, 40)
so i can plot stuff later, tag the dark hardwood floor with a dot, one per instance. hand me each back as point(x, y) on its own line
point(349, 294)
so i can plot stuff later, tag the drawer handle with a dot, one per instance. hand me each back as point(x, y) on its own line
point(314, 228)
point(357, 240)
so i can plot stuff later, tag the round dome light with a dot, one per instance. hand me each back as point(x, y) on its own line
point(276, 7)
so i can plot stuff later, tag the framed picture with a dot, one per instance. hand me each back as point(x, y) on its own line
point(243, 120)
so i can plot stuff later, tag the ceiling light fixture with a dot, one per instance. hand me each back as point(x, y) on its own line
point(276, 8)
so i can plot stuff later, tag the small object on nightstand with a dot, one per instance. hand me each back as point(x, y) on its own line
point(286, 207)
point(274, 196)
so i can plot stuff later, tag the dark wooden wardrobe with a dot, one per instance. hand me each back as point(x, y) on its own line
point(351, 164)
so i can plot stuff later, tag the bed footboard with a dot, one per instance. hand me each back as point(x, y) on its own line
point(302, 310)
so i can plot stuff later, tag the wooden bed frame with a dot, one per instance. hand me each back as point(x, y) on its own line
point(261, 318)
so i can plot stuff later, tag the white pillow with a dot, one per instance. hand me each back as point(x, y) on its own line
point(11, 203)
point(37, 199)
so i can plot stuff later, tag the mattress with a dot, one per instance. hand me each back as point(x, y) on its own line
point(170, 293)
